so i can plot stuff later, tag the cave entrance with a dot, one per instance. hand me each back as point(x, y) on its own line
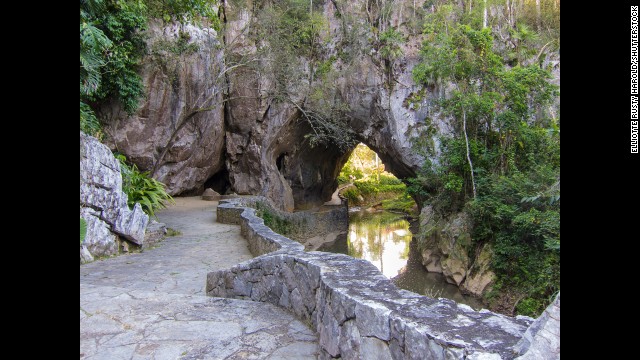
point(364, 182)
point(219, 182)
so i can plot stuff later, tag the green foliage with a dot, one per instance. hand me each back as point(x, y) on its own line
point(385, 179)
point(143, 189)
point(372, 183)
point(513, 145)
point(390, 42)
point(353, 195)
point(83, 230)
point(111, 47)
point(290, 27)
point(181, 46)
point(342, 179)
point(403, 203)
point(89, 124)
point(273, 221)
point(173, 232)
point(185, 11)
point(324, 67)
point(372, 187)
point(93, 46)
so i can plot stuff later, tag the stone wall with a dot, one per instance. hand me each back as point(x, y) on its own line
point(304, 224)
point(358, 312)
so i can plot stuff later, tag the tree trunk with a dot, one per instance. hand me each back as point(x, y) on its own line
point(484, 18)
point(538, 15)
point(466, 139)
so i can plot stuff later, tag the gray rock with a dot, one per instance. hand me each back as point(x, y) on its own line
point(445, 248)
point(357, 312)
point(168, 135)
point(374, 349)
point(330, 334)
point(372, 319)
point(210, 195)
point(480, 276)
point(154, 232)
point(259, 144)
point(99, 240)
point(542, 338)
point(350, 340)
point(103, 205)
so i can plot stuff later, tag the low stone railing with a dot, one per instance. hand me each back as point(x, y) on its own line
point(304, 224)
point(357, 312)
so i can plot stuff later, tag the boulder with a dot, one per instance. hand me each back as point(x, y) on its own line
point(210, 195)
point(480, 276)
point(542, 338)
point(103, 204)
point(445, 244)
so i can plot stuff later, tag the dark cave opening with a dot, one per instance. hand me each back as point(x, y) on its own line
point(219, 182)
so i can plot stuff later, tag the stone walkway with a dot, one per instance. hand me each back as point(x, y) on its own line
point(151, 305)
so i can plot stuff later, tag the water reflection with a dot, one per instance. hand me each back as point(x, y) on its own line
point(384, 239)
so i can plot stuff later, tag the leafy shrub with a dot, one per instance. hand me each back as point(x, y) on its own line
point(403, 203)
point(390, 43)
point(502, 163)
point(89, 124)
point(273, 221)
point(366, 187)
point(370, 187)
point(353, 195)
point(83, 230)
point(342, 179)
point(143, 189)
point(389, 180)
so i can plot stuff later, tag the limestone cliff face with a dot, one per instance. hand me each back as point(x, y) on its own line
point(231, 111)
point(445, 246)
point(267, 152)
point(254, 142)
point(177, 133)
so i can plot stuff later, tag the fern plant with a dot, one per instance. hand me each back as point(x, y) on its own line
point(143, 189)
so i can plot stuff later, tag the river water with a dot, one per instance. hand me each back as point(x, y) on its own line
point(384, 239)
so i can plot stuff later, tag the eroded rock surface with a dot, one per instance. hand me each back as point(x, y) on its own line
point(103, 205)
point(177, 133)
point(542, 338)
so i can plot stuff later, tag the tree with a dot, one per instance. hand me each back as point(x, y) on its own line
point(503, 157)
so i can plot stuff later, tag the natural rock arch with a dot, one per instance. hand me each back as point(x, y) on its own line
point(310, 172)
point(248, 142)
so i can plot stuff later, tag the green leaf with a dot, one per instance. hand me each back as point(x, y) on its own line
point(83, 230)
